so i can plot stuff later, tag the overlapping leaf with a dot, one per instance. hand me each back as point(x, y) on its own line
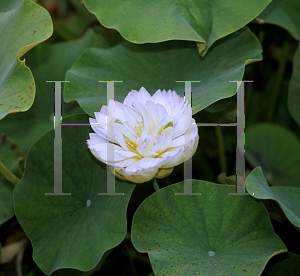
point(156, 21)
point(283, 264)
point(287, 197)
point(294, 89)
point(70, 231)
point(159, 66)
point(48, 62)
point(23, 25)
point(277, 150)
point(209, 234)
point(284, 14)
point(9, 5)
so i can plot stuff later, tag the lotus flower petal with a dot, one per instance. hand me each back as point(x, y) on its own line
point(148, 134)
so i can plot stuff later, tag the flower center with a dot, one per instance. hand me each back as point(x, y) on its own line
point(145, 141)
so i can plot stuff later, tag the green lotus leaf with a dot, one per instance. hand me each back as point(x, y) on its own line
point(209, 234)
point(286, 197)
point(48, 62)
point(282, 265)
point(157, 21)
point(70, 231)
point(294, 89)
point(277, 150)
point(23, 25)
point(69, 271)
point(159, 66)
point(284, 14)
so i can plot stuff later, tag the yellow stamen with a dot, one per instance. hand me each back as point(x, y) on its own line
point(132, 145)
point(170, 124)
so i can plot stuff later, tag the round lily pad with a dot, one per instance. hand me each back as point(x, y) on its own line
point(70, 231)
point(209, 234)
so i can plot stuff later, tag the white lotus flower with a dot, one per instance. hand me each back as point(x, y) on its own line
point(149, 134)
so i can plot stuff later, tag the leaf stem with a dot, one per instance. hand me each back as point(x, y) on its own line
point(155, 185)
point(222, 157)
point(278, 80)
point(8, 174)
